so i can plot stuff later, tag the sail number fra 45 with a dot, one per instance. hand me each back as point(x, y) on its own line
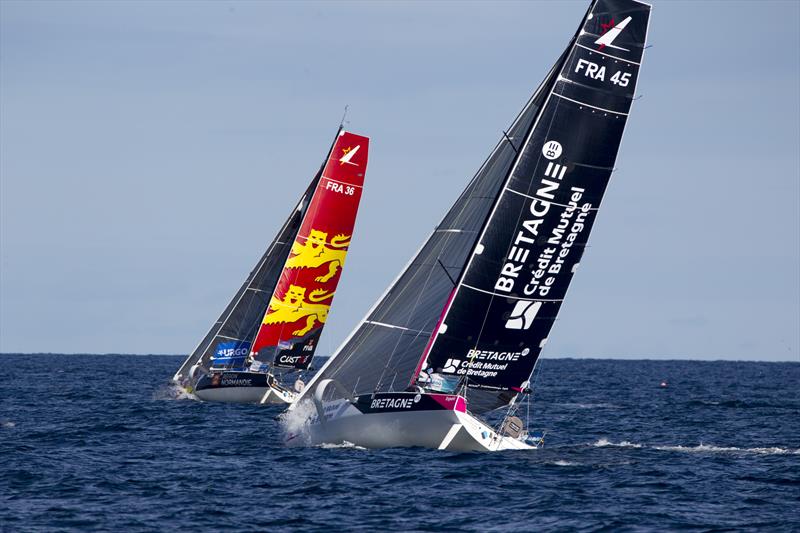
point(596, 72)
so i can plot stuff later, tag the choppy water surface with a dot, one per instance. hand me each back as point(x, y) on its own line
point(99, 443)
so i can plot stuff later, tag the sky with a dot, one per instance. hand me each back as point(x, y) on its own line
point(149, 152)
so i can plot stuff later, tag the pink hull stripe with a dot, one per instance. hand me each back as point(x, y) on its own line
point(451, 402)
point(461, 405)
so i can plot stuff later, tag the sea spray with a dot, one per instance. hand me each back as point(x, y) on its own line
point(295, 423)
point(173, 391)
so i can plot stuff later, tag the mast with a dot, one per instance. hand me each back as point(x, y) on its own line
point(231, 332)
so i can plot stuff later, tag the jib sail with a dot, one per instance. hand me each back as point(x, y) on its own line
point(502, 310)
point(291, 327)
point(228, 340)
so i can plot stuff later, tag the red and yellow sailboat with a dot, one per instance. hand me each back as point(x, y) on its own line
point(269, 332)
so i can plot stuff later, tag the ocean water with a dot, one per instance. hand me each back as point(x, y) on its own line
point(95, 442)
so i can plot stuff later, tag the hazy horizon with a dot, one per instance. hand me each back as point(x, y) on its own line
point(150, 151)
point(319, 357)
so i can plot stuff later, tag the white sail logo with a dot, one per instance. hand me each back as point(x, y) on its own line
point(348, 155)
point(451, 366)
point(522, 315)
point(610, 34)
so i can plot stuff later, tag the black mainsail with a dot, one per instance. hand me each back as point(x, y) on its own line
point(508, 298)
point(480, 297)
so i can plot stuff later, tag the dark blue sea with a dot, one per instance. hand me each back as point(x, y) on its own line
point(99, 442)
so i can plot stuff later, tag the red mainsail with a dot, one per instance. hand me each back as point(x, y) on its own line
point(299, 307)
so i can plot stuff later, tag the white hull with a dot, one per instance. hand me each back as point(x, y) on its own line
point(443, 428)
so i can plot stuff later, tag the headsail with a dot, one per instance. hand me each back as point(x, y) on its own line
point(506, 302)
point(292, 324)
point(577, 117)
point(229, 337)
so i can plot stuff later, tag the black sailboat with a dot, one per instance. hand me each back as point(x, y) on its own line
point(459, 332)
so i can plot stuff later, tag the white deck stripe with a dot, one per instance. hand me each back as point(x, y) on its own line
point(449, 437)
point(266, 396)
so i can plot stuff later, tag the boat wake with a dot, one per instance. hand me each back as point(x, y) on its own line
point(708, 448)
point(345, 445)
point(623, 444)
point(701, 448)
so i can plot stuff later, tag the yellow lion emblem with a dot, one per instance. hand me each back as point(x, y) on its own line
point(317, 251)
point(294, 307)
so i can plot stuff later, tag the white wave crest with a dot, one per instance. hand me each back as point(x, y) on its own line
point(700, 448)
point(709, 448)
point(623, 444)
point(588, 405)
point(564, 463)
point(8, 424)
point(345, 444)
